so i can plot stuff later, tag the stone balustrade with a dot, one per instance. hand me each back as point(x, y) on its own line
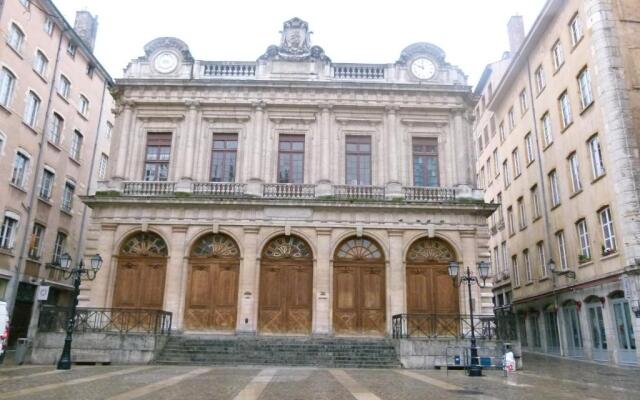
point(416, 193)
point(219, 189)
point(145, 188)
point(230, 70)
point(358, 192)
point(359, 71)
point(288, 191)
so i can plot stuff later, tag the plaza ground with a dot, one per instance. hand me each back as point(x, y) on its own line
point(544, 378)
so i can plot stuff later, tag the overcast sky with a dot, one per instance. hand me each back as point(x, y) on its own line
point(471, 32)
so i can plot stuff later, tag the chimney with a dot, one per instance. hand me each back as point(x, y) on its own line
point(86, 26)
point(515, 26)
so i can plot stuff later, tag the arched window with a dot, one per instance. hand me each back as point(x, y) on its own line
point(144, 244)
point(215, 245)
point(287, 247)
point(359, 249)
point(430, 250)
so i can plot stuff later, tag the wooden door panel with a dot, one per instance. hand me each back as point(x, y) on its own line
point(359, 300)
point(199, 287)
point(418, 290)
point(152, 284)
point(127, 282)
point(373, 322)
point(226, 286)
point(285, 299)
point(446, 295)
point(372, 284)
point(345, 322)
point(271, 314)
point(300, 286)
point(345, 289)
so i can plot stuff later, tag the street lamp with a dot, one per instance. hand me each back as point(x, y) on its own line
point(483, 270)
point(76, 273)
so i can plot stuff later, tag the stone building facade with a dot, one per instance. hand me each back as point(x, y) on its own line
point(289, 195)
point(55, 119)
point(556, 139)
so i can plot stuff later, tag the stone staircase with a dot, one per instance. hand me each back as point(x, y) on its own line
point(287, 351)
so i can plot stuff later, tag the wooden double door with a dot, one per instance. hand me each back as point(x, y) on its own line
point(140, 282)
point(212, 295)
point(359, 306)
point(431, 294)
point(285, 298)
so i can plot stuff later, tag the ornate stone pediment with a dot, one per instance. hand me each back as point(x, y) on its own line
point(169, 43)
point(295, 44)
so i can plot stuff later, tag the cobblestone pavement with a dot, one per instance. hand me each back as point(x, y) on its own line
point(543, 378)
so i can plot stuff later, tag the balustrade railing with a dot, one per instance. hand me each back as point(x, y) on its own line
point(218, 189)
point(120, 320)
point(442, 325)
point(358, 192)
point(417, 193)
point(233, 70)
point(151, 188)
point(288, 191)
point(358, 71)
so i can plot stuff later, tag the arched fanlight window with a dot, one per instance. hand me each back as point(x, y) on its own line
point(287, 247)
point(144, 244)
point(430, 250)
point(215, 245)
point(359, 249)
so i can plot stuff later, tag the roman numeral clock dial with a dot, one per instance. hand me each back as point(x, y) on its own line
point(423, 68)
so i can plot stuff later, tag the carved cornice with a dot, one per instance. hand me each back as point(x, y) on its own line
point(238, 118)
point(166, 116)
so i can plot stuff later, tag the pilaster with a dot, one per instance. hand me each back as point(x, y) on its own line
point(175, 276)
point(322, 311)
point(123, 142)
point(248, 283)
point(396, 291)
point(100, 286)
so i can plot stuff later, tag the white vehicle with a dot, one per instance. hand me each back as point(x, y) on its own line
point(4, 327)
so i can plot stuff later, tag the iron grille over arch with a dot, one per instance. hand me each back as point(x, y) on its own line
point(147, 244)
point(359, 249)
point(215, 245)
point(287, 247)
point(430, 250)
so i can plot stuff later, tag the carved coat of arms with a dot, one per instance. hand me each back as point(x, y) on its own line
point(295, 44)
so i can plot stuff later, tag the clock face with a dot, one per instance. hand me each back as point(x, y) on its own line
point(423, 68)
point(166, 62)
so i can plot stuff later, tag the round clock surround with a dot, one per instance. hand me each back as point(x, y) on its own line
point(165, 62)
point(423, 68)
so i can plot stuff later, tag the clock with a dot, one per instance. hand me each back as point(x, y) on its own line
point(423, 68)
point(165, 62)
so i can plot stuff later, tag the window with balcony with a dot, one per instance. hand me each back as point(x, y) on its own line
point(565, 110)
point(358, 160)
point(223, 157)
point(64, 86)
point(516, 271)
point(575, 29)
point(535, 202)
point(558, 55)
point(20, 169)
point(547, 132)
point(425, 161)
point(67, 196)
point(527, 265)
point(9, 230)
point(75, 151)
point(35, 245)
point(157, 156)
point(31, 109)
point(46, 185)
point(584, 85)
point(291, 159)
point(574, 171)
point(59, 247)
point(7, 85)
point(40, 63)
point(608, 235)
point(542, 260)
point(583, 239)
point(541, 82)
point(55, 129)
point(597, 163)
point(562, 250)
point(554, 188)
point(15, 39)
point(529, 149)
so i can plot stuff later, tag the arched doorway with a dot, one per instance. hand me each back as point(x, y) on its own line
point(431, 296)
point(140, 274)
point(286, 285)
point(212, 291)
point(359, 288)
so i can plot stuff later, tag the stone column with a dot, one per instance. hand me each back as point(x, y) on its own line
point(174, 276)
point(322, 311)
point(248, 285)
point(123, 142)
point(189, 151)
point(396, 274)
point(99, 296)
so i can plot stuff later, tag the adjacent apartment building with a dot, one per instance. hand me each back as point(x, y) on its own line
point(556, 137)
point(55, 127)
point(291, 195)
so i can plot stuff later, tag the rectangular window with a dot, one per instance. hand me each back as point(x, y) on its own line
point(15, 38)
point(102, 168)
point(522, 213)
point(481, 179)
point(486, 135)
point(157, 156)
point(83, 105)
point(554, 188)
point(67, 196)
point(584, 84)
point(358, 160)
point(511, 118)
point(76, 145)
point(606, 222)
point(48, 26)
point(35, 246)
point(425, 161)
point(223, 158)
point(515, 158)
point(59, 247)
point(55, 130)
point(7, 84)
point(501, 131)
point(523, 101)
point(541, 82)
point(562, 250)
point(20, 170)
point(575, 27)
point(542, 260)
point(516, 272)
point(8, 231)
point(583, 239)
point(492, 125)
point(510, 222)
point(496, 165)
point(528, 145)
point(558, 55)
point(291, 159)
point(565, 110)
point(64, 86)
point(499, 210)
point(488, 169)
point(597, 163)
point(535, 202)
point(547, 132)
point(496, 261)
point(527, 265)
point(574, 170)
point(40, 63)
point(505, 258)
point(31, 109)
point(505, 173)
point(71, 49)
point(46, 185)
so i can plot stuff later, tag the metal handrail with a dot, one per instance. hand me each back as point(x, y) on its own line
point(442, 325)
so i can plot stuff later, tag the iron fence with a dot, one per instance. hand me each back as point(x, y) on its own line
point(442, 325)
point(120, 320)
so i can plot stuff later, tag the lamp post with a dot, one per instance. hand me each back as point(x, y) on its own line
point(76, 273)
point(483, 269)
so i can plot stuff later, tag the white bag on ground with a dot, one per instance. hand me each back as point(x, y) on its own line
point(509, 362)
